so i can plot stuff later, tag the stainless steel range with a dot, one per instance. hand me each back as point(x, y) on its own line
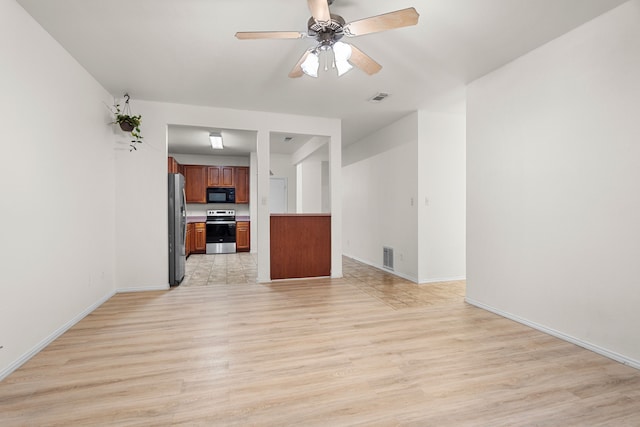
point(221, 231)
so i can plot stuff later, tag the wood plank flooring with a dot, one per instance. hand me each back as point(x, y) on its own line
point(370, 349)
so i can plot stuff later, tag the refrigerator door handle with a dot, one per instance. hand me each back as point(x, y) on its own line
point(184, 216)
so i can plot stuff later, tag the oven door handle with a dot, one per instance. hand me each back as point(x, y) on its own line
point(221, 222)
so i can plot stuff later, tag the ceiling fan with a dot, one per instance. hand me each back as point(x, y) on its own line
point(328, 29)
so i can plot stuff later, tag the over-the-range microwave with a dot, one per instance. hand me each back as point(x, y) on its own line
point(221, 195)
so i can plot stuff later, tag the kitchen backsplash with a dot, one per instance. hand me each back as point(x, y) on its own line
point(198, 209)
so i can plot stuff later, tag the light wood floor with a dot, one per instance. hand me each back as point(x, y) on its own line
point(370, 349)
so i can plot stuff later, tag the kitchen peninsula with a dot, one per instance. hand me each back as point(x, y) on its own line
point(300, 245)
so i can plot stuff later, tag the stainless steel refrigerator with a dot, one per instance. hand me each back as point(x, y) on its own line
point(177, 228)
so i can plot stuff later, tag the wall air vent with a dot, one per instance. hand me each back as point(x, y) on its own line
point(387, 257)
point(378, 97)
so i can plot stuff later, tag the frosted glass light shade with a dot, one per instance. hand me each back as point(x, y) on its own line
point(311, 64)
point(342, 54)
point(216, 141)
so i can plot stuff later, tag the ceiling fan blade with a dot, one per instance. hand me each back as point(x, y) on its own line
point(364, 61)
point(297, 70)
point(249, 35)
point(387, 21)
point(319, 10)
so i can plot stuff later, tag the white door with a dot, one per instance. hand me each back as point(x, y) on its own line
point(278, 195)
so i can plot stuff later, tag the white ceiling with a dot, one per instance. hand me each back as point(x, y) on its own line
point(195, 140)
point(184, 51)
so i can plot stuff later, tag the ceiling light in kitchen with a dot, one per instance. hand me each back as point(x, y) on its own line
point(216, 140)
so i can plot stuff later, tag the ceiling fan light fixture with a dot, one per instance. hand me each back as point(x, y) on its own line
point(342, 54)
point(216, 140)
point(327, 29)
point(311, 65)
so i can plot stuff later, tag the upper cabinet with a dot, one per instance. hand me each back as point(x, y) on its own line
point(198, 177)
point(195, 183)
point(220, 176)
point(173, 165)
point(242, 184)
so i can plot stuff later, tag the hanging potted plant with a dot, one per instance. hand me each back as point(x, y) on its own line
point(128, 122)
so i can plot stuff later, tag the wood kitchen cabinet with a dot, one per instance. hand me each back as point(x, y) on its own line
point(198, 177)
point(242, 184)
point(220, 176)
point(173, 165)
point(188, 246)
point(195, 183)
point(199, 238)
point(243, 237)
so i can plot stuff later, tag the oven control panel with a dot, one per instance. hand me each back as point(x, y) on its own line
point(218, 212)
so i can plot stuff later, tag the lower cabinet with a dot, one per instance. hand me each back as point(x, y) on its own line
point(196, 242)
point(200, 238)
point(188, 246)
point(243, 240)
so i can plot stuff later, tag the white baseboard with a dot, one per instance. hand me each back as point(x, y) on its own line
point(395, 273)
point(48, 340)
point(573, 340)
point(143, 289)
point(406, 276)
point(379, 267)
point(443, 279)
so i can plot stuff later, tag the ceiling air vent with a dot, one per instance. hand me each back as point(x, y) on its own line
point(288, 138)
point(378, 97)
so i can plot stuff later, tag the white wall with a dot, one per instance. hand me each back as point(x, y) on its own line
point(141, 186)
point(404, 187)
point(379, 180)
point(441, 198)
point(309, 186)
point(553, 170)
point(253, 200)
point(326, 188)
point(57, 205)
point(282, 167)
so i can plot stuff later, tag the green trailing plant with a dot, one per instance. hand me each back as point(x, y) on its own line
point(128, 122)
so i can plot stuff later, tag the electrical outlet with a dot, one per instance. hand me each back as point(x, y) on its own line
point(401, 257)
point(412, 201)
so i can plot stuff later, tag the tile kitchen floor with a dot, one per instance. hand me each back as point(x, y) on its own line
point(220, 269)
